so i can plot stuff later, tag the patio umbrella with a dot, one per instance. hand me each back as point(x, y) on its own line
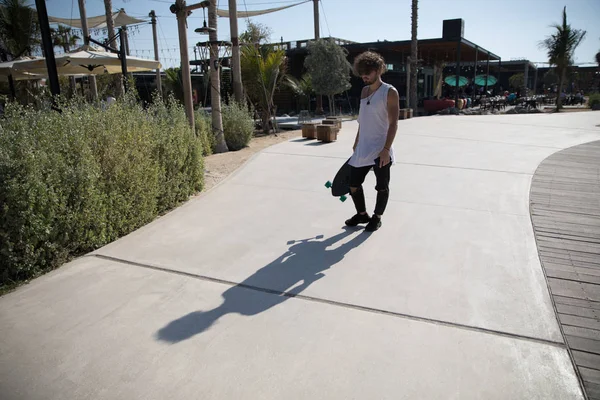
point(8, 71)
point(481, 80)
point(451, 80)
point(87, 61)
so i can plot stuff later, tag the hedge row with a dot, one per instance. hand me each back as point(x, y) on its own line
point(71, 182)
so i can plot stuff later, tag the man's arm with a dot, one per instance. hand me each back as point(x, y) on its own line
point(362, 95)
point(393, 108)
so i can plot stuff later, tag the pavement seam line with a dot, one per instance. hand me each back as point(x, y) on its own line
point(407, 163)
point(333, 302)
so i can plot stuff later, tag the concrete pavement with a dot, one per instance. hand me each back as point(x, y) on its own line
point(214, 301)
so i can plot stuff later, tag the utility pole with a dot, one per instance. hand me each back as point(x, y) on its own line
point(48, 48)
point(215, 80)
point(155, 38)
point(236, 68)
point(316, 12)
point(181, 11)
point(319, 108)
point(112, 42)
point(84, 28)
point(126, 38)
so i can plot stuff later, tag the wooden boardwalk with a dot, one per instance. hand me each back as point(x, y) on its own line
point(565, 211)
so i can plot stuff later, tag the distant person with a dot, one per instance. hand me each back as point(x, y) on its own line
point(378, 122)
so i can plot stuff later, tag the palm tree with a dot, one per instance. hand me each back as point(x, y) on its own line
point(413, 55)
point(302, 88)
point(64, 38)
point(560, 47)
point(263, 72)
point(173, 82)
point(19, 29)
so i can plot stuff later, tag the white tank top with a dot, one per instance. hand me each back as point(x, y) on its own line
point(373, 127)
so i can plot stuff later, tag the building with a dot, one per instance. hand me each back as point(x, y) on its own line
point(436, 55)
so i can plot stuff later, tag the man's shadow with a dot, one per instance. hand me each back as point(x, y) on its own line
point(287, 276)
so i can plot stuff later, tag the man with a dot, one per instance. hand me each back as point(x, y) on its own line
point(378, 122)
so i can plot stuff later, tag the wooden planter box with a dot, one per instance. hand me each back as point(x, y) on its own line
point(309, 130)
point(403, 113)
point(326, 133)
point(410, 113)
point(333, 121)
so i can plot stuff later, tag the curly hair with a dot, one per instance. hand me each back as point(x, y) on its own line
point(367, 62)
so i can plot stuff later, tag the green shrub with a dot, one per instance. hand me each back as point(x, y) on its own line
point(75, 181)
point(594, 100)
point(238, 125)
point(204, 132)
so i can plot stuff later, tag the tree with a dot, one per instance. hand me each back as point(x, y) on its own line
point(517, 81)
point(560, 47)
point(19, 29)
point(302, 88)
point(550, 78)
point(598, 58)
point(414, 55)
point(174, 83)
point(64, 38)
point(256, 33)
point(263, 72)
point(329, 69)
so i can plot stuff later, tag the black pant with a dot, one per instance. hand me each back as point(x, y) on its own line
point(382, 175)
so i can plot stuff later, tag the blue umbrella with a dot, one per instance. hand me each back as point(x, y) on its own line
point(451, 80)
point(481, 80)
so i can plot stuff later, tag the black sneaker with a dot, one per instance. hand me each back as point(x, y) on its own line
point(358, 219)
point(374, 224)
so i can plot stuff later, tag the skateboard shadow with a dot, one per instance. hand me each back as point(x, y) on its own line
point(287, 276)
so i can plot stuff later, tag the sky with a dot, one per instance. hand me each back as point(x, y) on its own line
point(511, 29)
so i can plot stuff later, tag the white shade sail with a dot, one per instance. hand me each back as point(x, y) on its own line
point(120, 18)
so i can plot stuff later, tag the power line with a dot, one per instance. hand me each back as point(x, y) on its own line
point(325, 15)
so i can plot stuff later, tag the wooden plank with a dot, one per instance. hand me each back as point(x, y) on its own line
point(583, 244)
point(574, 276)
point(577, 302)
point(565, 214)
point(587, 360)
point(581, 290)
point(582, 322)
point(584, 344)
point(577, 310)
point(581, 332)
point(592, 389)
point(590, 375)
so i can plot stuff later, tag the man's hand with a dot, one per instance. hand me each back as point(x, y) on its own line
point(384, 158)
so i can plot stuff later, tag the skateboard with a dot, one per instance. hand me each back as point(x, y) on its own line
point(340, 186)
